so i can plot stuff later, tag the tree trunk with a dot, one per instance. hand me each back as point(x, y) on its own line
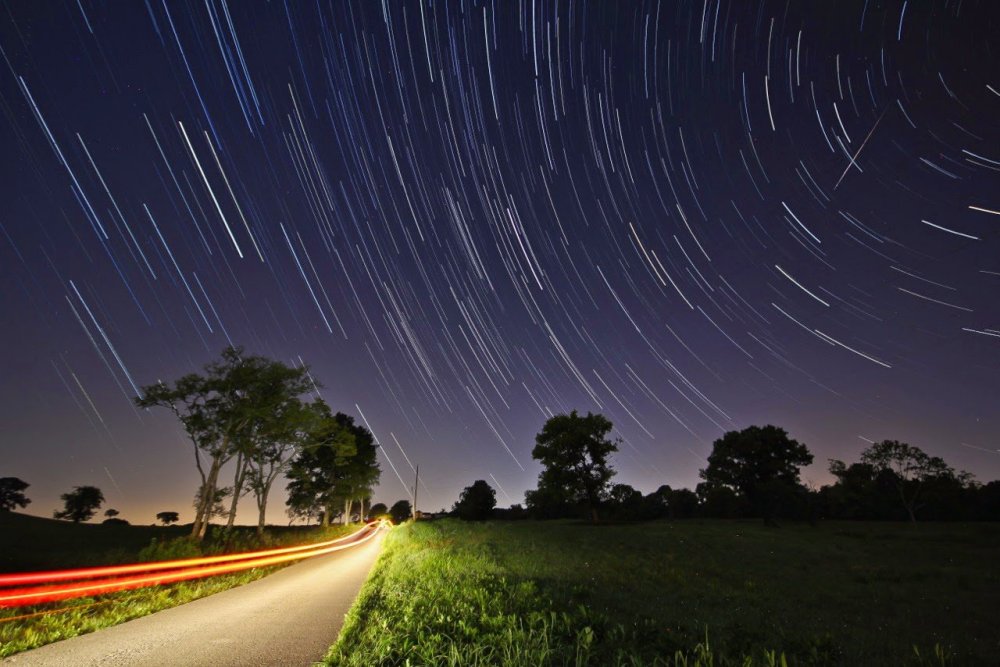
point(326, 518)
point(199, 513)
point(262, 509)
point(262, 505)
point(208, 495)
point(241, 473)
point(347, 511)
point(593, 514)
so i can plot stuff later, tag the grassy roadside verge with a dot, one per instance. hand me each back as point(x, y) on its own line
point(556, 593)
point(25, 628)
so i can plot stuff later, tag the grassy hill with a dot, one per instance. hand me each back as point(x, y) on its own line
point(35, 543)
point(565, 593)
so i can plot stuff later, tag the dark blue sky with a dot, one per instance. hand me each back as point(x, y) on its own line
point(468, 216)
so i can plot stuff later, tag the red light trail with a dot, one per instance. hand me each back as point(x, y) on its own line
point(159, 573)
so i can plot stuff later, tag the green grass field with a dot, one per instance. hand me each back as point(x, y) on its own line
point(33, 543)
point(565, 593)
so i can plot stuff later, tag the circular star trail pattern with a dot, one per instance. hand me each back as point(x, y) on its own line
point(468, 216)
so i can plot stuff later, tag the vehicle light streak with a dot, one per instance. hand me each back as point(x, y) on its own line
point(40, 594)
point(54, 576)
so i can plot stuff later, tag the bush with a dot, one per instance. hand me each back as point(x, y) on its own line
point(115, 521)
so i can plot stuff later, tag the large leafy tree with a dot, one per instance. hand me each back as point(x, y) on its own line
point(208, 408)
point(476, 502)
point(80, 504)
point(400, 511)
point(242, 407)
point(356, 479)
point(377, 510)
point(761, 463)
point(12, 493)
point(625, 501)
point(315, 472)
point(275, 426)
point(280, 425)
point(574, 451)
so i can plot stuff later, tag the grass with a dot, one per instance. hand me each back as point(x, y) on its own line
point(32, 543)
point(35, 543)
point(678, 593)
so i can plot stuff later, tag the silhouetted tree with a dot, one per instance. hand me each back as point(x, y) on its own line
point(988, 501)
point(476, 502)
point(856, 493)
point(111, 513)
point(80, 504)
point(625, 501)
point(167, 518)
point(574, 451)
point(356, 479)
point(338, 465)
point(241, 407)
point(895, 480)
point(547, 503)
point(910, 467)
point(720, 502)
point(400, 511)
point(284, 425)
point(761, 463)
point(12, 493)
point(115, 521)
point(377, 510)
point(670, 503)
point(209, 407)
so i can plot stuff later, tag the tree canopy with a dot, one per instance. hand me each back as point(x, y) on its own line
point(167, 518)
point(378, 510)
point(761, 463)
point(337, 466)
point(400, 511)
point(574, 451)
point(80, 504)
point(476, 502)
point(12, 493)
point(242, 407)
point(897, 480)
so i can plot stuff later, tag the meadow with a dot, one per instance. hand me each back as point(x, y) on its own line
point(32, 543)
point(678, 593)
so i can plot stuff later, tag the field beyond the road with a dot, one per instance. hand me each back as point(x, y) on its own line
point(568, 593)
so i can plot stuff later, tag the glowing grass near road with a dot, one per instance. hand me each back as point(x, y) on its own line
point(685, 593)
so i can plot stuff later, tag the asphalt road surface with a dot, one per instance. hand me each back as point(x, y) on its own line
point(288, 618)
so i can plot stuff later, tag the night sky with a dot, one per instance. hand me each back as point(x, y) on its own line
point(468, 216)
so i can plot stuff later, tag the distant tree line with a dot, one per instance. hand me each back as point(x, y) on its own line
point(750, 473)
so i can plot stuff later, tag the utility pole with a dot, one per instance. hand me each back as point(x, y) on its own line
point(415, 483)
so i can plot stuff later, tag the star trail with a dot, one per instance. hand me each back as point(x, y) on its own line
point(466, 217)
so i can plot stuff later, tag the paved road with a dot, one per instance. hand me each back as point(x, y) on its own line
point(288, 618)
